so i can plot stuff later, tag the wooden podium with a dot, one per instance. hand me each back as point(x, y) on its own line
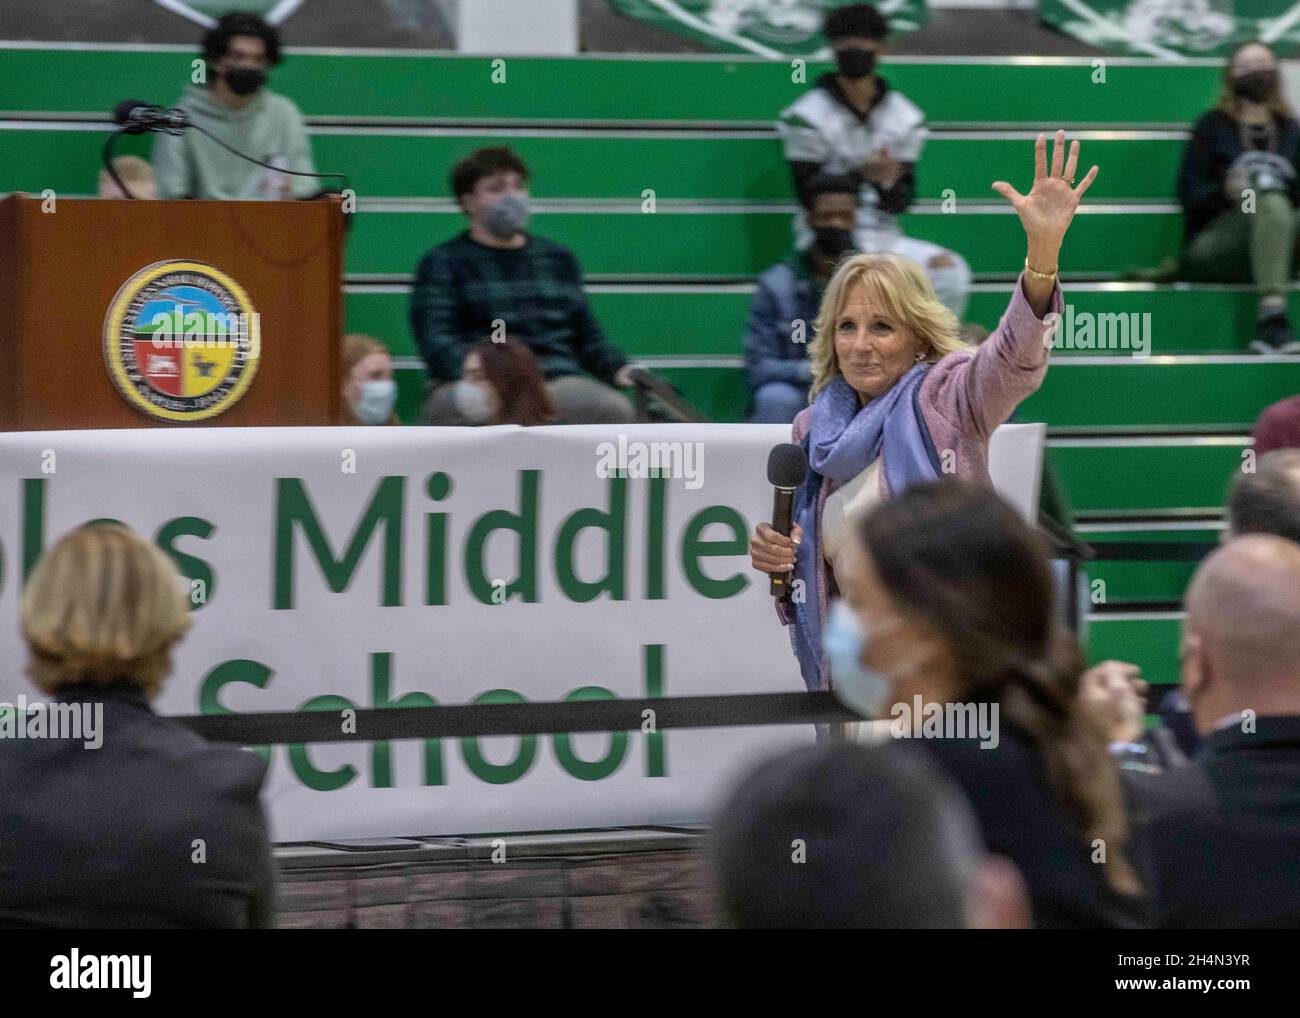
point(111, 313)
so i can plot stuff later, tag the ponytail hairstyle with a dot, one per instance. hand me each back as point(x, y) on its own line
point(960, 558)
point(512, 370)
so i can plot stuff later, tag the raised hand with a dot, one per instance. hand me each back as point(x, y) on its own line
point(1047, 210)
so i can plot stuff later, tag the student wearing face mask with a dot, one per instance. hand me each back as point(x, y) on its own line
point(497, 277)
point(783, 313)
point(369, 392)
point(852, 122)
point(1239, 191)
point(500, 383)
point(948, 602)
point(235, 105)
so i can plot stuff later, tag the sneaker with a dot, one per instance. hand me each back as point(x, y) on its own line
point(1273, 335)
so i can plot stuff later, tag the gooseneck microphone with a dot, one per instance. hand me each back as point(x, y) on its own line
point(135, 116)
point(787, 464)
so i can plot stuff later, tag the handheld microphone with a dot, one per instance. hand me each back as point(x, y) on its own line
point(786, 466)
point(136, 116)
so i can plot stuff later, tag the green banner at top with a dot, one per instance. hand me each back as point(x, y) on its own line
point(206, 12)
point(772, 28)
point(1175, 29)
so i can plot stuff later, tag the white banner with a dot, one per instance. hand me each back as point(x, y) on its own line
point(369, 567)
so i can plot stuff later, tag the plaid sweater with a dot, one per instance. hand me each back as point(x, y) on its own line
point(462, 287)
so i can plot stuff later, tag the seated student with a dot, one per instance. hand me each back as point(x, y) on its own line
point(501, 383)
point(857, 837)
point(135, 173)
point(1239, 191)
point(1219, 841)
point(948, 603)
point(1277, 427)
point(369, 391)
point(783, 313)
point(853, 122)
point(236, 106)
point(496, 277)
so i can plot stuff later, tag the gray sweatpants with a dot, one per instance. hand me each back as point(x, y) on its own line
point(577, 399)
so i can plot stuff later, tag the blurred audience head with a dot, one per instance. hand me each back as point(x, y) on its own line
point(1241, 636)
point(491, 185)
point(1251, 75)
point(1277, 426)
point(369, 391)
point(501, 383)
point(832, 203)
point(953, 598)
point(135, 173)
point(103, 606)
point(846, 836)
point(856, 33)
point(1268, 500)
point(879, 315)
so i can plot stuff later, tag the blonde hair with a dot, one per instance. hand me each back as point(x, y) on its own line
point(103, 606)
point(357, 347)
point(899, 287)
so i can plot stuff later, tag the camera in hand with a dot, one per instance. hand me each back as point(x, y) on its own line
point(1266, 171)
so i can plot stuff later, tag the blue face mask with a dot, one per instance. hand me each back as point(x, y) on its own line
point(858, 687)
point(376, 403)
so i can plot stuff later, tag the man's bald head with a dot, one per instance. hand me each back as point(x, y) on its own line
point(1242, 634)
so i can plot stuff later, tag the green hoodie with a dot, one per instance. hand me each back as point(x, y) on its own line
point(269, 128)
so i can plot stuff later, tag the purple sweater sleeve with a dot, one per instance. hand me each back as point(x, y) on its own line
point(978, 391)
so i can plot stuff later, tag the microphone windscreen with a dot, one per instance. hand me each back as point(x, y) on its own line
point(786, 465)
point(122, 111)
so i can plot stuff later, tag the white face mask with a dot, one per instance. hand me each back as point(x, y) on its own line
point(375, 405)
point(471, 401)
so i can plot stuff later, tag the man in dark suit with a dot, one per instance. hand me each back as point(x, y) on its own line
point(1219, 841)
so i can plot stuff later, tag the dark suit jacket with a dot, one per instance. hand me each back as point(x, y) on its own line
point(1218, 841)
point(110, 837)
point(1023, 820)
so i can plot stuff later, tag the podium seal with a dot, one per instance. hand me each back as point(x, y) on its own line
point(181, 341)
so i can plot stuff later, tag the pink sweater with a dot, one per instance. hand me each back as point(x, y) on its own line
point(964, 397)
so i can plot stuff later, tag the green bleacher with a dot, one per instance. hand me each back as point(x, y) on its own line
point(1144, 446)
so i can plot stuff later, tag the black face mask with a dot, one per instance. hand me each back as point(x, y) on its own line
point(832, 242)
point(855, 63)
point(1256, 86)
point(244, 80)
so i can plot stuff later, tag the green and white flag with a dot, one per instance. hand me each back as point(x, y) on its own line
point(770, 28)
point(206, 12)
point(1174, 29)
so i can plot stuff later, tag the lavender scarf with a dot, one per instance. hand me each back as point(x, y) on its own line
point(843, 440)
